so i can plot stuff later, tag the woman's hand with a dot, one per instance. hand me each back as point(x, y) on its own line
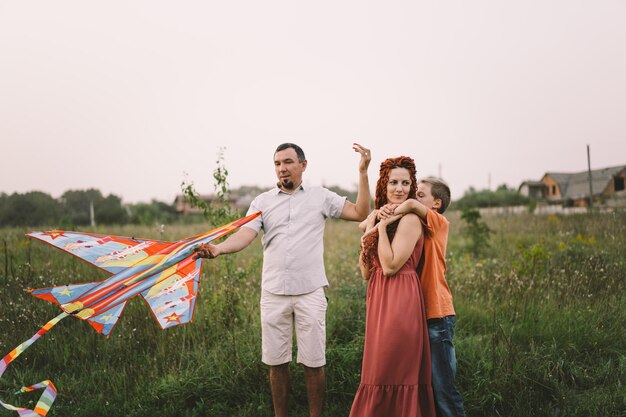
point(366, 234)
point(370, 225)
point(370, 222)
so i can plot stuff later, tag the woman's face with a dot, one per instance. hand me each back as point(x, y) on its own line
point(399, 185)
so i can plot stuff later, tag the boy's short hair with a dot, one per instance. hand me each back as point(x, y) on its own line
point(293, 146)
point(439, 189)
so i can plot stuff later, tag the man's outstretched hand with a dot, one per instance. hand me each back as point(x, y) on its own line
point(206, 250)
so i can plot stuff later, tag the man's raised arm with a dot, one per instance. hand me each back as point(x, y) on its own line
point(360, 210)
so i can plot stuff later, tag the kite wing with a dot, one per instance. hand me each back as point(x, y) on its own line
point(168, 282)
point(173, 298)
point(111, 253)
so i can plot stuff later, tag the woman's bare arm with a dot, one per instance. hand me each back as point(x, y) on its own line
point(393, 255)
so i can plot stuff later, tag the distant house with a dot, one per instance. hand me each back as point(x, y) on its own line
point(572, 189)
point(532, 189)
point(183, 205)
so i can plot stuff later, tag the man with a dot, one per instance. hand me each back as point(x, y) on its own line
point(293, 278)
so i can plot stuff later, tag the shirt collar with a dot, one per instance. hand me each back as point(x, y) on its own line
point(279, 190)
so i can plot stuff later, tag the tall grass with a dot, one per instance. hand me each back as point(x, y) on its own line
point(539, 330)
point(541, 319)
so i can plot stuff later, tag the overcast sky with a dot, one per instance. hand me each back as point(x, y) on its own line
point(128, 96)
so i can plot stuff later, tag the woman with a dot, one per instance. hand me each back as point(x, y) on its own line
point(396, 373)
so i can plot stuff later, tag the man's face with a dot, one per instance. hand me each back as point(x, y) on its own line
point(425, 196)
point(288, 169)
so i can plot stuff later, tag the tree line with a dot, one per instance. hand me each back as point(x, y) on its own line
point(503, 196)
point(75, 207)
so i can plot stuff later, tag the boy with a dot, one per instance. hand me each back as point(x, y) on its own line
point(433, 198)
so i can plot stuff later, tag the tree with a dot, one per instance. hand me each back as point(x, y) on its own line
point(34, 208)
point(501, 197)
point(343, 192)
point(151, 213)
point(77, 205)
point(477, 231)
point(220, 210)
point(110, 210)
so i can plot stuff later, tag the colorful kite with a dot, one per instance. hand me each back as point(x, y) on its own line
point(165, 274)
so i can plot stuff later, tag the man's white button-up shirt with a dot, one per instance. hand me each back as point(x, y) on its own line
point(293, 237)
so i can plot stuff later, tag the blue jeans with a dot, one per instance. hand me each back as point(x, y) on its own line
point(447, 398)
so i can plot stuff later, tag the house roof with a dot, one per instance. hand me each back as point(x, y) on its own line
point(532, 183)
point(576, 185)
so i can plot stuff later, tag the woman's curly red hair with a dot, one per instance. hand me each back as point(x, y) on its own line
point(370, 243)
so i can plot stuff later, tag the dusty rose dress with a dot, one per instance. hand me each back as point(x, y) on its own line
point(396, 373)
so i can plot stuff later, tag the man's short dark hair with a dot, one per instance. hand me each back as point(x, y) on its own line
point(295, 147)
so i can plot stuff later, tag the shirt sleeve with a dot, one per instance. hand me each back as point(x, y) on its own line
point(333, 204)
point(435, 221)
point(257, 223)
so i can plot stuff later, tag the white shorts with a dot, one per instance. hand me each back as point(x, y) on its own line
point(277, 319)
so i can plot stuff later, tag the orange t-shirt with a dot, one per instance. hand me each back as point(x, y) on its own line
point(437, 295)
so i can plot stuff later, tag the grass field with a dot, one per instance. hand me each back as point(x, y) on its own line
point(540, 327)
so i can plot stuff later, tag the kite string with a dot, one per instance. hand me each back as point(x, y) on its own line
point(49, 394)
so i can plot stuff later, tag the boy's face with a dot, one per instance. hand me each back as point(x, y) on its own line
point(425, 196)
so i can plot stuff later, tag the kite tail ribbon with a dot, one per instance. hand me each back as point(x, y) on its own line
point(50, 392)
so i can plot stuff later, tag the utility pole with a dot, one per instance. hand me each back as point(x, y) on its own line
point(590, 182)
point(92, 217)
